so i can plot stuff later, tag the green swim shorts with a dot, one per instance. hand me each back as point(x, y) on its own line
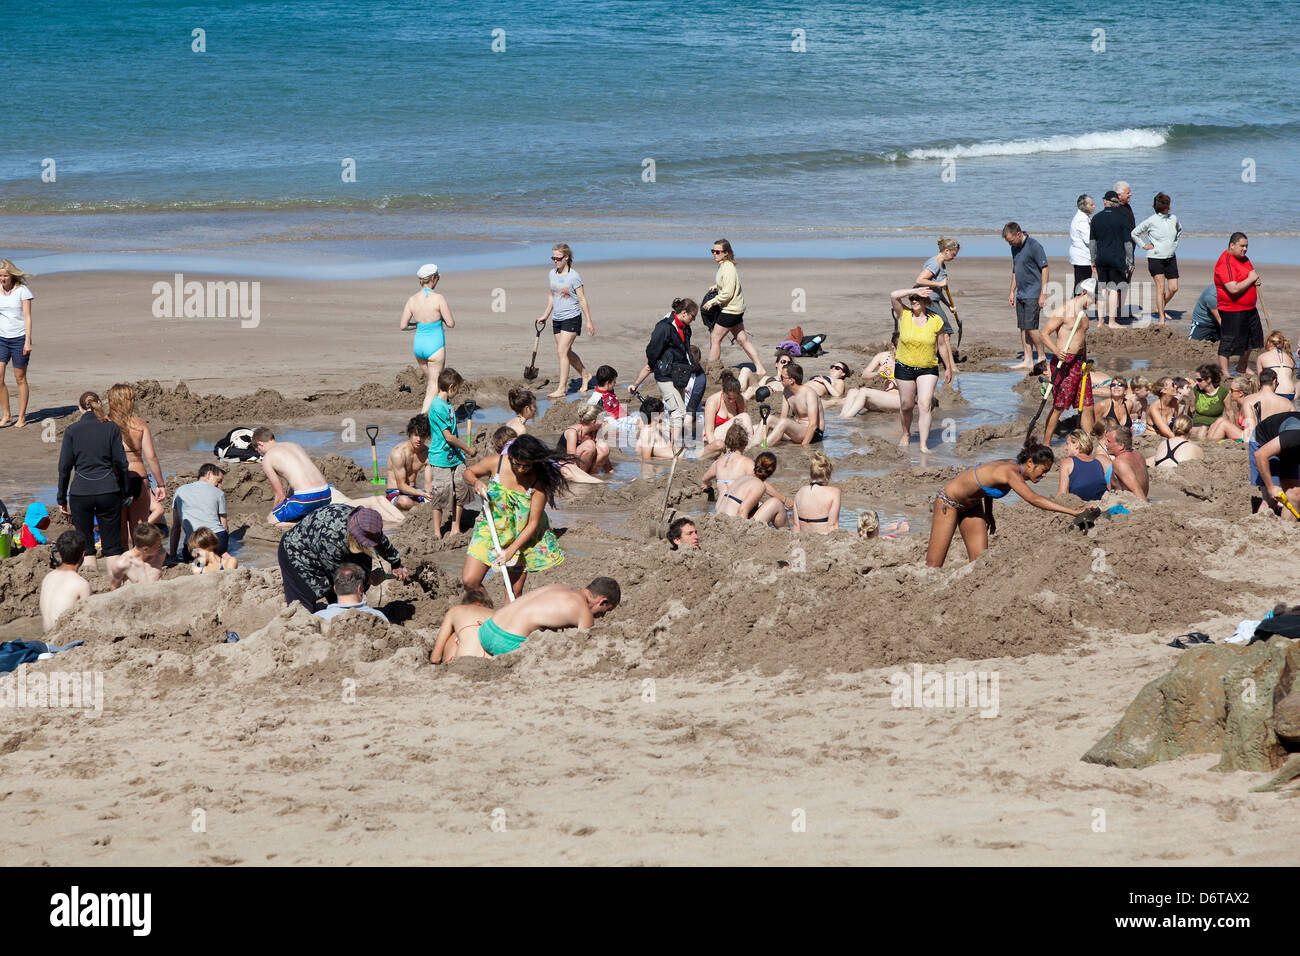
point(496, 641)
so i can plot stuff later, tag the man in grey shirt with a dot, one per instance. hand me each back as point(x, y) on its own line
point(1029, 274)
point(201, 504)
point(350, 588)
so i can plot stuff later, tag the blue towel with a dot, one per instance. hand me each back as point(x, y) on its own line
point(15, 653)
point(1118, 510)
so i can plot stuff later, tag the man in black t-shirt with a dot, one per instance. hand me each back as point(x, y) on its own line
point(1111, 247)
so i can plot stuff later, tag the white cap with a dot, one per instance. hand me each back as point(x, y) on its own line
point(427, 270)
point(1088, 285)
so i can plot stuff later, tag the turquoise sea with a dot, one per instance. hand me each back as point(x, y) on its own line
point(644, 127)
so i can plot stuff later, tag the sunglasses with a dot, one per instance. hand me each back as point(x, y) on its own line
point(717, 252)
point(557, 258)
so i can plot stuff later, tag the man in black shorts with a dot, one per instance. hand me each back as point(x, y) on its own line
point(1029, 272)
point(1236, 282)
point(1274, 455)
point(1111, 248)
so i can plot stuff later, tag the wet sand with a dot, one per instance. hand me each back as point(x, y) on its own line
point(771, 693)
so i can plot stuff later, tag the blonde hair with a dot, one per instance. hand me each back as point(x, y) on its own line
point(588, 414)
point(1244, 384)
point(1083, 440)
point(868, 524)
point(121, 406)
point(1182, 424)
point(948, 245)
point(819, 469)
point(1275, 340)
point(563, 249)
point(1140, 382)
point(20, 277)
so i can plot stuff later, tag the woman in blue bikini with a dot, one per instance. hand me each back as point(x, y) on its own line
point(431, 313)
point(966, 502)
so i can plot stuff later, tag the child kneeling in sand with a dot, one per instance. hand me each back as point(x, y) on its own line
point(472, 611)
point(288, 460)
point(554, 607)
point(208, 556)
point(63, 587)
point(143, 563)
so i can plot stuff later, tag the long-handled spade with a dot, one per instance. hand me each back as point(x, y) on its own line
point(465, 413)
point(1264, 309)
point(496, 543)
point(671, 472)
point(764, 411)
point(530, 372)
point(372, 432)
point(956, 318)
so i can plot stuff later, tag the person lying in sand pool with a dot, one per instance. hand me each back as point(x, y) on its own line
point(406, 462)
point(869, 527)
point(63, 587)
point(884, 399)
point(590, 455)
point(287, 460)
point(523, 403)
point(1116, 410)
point(142, 563)
point(682, 534)
point(723, 409)
point(465, 619)
point(817, 504)
point(831, 386)
point(553, 607)
point(1127, 470)
point(524, 479)
point(1178, 449)
point(803, 419)
point(208, 554)
point(751, 383)
point(1209, 395)
point(1083, 473)
point(965, 503)
point(744, 498)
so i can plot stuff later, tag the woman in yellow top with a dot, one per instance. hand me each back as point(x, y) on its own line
point(923, 338)
point(732, 303)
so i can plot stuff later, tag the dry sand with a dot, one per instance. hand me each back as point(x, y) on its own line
point(770, 656)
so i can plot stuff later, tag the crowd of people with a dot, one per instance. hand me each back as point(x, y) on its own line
point(110, 481)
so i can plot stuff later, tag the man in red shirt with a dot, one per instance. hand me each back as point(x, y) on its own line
point(1235, 280)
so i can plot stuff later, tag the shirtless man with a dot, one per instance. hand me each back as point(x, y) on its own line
point(468, 615)
point(1265, 402)
point(1274, 452)
point(1128, 468)
point(431, 314)
point(63, 587)
point(1069, 352)
point(143, 563)
point(406, 461)
point(553, 607)
point(288, 460)
point(802, 416)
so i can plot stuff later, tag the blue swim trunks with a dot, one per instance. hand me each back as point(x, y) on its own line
point(496, 641)
point(302, 503)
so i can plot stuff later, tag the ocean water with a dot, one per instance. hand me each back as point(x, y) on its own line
point(631, 123)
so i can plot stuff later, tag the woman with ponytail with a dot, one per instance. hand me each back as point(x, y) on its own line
point(965, 504)
point(92, 448)
point(934, 274)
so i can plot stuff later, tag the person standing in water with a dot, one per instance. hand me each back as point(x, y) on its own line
point(567, 308)
point(431, 313)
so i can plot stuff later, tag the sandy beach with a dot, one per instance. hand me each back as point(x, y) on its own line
point(736, 708)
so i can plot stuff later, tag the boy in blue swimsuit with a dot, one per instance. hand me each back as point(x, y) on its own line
point(287, 460)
